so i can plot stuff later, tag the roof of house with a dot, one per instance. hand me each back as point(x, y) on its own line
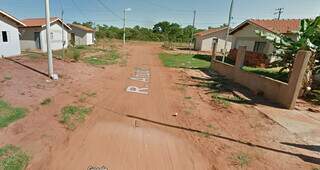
point(12, 18)
point(283, 26)
point(210, 31)
point(41, 22)
point(84, 28)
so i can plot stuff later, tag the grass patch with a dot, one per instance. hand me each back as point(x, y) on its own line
point(269, 72)
point(185, 60)
point(46, 101)
point(71, 116)
point(241, 159)
point(188, 97)
point(13, 158)
point(108, 58)
point(9, 114)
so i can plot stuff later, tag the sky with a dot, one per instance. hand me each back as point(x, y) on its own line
point(148, 12)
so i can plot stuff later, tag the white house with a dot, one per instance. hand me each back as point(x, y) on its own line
point(245, 34)
point(9, 35)
point(81, 35)
point(205, 39)
point(33, 34)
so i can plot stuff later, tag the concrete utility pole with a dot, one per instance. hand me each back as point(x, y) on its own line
point(49, 51)
point(228, 31)
point(124, 24)
point(193, 27)
point(279, 12)
point(63, 37)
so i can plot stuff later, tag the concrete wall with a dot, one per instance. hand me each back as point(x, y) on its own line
point(56, 39)
point(283, 93)
point(204, 43)
point(12, 47)
point(28, 37)
point(82, 37)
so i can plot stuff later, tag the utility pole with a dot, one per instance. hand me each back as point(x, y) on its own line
point(63, 37)
point(124, 24)
point(49, 51)
point(278, 12)
point(193, 27)
point(124, 27)
point(228, 32)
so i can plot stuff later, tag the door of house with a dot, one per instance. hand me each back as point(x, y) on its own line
point(37, 40)
point(73, 39)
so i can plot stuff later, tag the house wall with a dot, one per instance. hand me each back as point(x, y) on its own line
point(28, 38)
point(204, 43)
point(89, 38)
point(247, 37)
point(12, 47)
point(56, 40)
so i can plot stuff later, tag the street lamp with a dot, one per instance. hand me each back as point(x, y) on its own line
point(124, 24)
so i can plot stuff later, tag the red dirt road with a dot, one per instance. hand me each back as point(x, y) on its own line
point(135, 131)
point(118, 142)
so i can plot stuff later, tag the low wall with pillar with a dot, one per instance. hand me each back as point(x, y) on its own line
point(285, 94)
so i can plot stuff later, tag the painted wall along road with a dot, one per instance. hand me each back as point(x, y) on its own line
point(141, 75)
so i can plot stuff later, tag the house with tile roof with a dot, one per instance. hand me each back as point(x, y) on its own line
point(33, 34)
point(81, 35)
point(245, 35)
point(9, 35)
point(205, 40)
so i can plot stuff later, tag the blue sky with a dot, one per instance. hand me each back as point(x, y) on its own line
point(148, 12)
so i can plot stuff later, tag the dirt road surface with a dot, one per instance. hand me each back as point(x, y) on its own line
point(174, 127)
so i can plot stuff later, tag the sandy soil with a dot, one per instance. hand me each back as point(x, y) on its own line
point(162, 130)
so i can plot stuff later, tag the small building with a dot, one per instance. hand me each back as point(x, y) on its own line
point(245, 35)
point(9, 35)
point(205, 40)
point(81, 35)
point(33, 34)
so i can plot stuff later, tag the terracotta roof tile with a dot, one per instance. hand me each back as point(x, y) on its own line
point(3, 13)
point(278, 26)
point(82, 27)
point(209, 31)
point(37, 22)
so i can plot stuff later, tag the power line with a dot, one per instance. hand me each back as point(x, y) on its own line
point(79, 10)
point(279, 12)
point(109, 9)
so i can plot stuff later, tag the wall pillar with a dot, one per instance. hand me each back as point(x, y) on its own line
point(296, 78)
point(241, 54)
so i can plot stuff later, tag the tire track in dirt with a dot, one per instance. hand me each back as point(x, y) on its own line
point(114, 141)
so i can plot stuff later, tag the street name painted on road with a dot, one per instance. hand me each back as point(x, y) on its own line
point(140, 75)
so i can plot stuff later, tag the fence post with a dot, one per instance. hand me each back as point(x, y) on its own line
point(241, 54)
point(296, 78)
point(214, 53)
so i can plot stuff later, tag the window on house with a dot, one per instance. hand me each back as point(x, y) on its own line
point(259, 47)
point(4, 36)
point(51, 35)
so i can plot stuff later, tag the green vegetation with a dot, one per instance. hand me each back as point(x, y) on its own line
point(9, 114)
point(188, 97)
point(269, 72)
point(71, 116)
point(13, 158)
point(313, 97)
point(185, 60)
point(46, 101)
point(111, 57)
point(241, 159)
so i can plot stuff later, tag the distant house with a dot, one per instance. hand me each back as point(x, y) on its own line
point(205, 39)
point(9, 35)
point(245, 35)
point(33, 34)
point(81, 35)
